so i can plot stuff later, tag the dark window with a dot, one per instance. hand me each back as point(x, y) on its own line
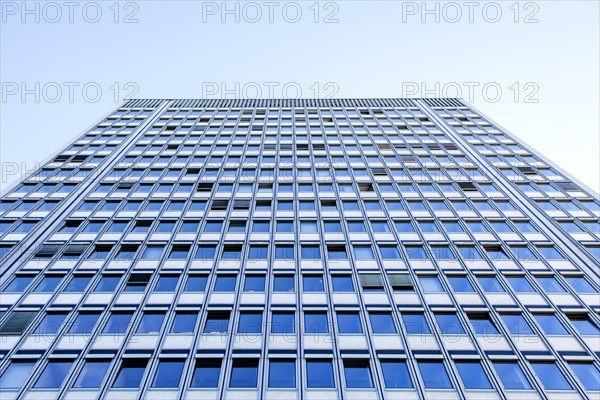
point(130, 374)
point(206, 373)
point(217, 322)
point(358, 374)
point(244, 374)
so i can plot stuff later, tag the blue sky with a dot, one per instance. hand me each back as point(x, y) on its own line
point(531, 66)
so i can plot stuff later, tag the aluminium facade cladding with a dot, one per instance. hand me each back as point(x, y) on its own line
point(313, 249)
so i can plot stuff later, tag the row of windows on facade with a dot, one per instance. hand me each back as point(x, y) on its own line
point(282, 373)
point(287, 251)
point(314, 322)
point(305, 225)
point(311, 283)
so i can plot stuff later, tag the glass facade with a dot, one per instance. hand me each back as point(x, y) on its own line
point(318, 249)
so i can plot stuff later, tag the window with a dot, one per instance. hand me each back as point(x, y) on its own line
point(283, 322)
point(117, 323)
point(520, 284)
point(490, 284)
point(205, 252)
point(389, 252)
point(511, 375)
point(18, 284)
point(316, 322)
point(550, 285)
point(92, 374)
point(431, 284)
point(284, 252)
point(254, 283)
point(415, 323)
point(371, 282)
point(310, 252)
point(588, 374)
point(461, 284)
point(551, 377)
point(550, 324)
point(584, 325)
point(449, 324)
point(283, 283)
point(250, 322)
point(107, 284)
point(382, 322)
point(53, 375)
point(16, 374)
point(349, 323)
point(313, 283)
point(153, 252)
point(179, 252)
point(319, 374)
point(168, 374)
point(78, 284)
point(48, 284)
point(244, 374)
point(206, 373)
point(195, 283)
point(51, 324)
point(358, 374)
point(363, 253)
point(550, 253)
point(137, 282)
point(473, 375)
point(225, 283)
point(516, 324)
point(84, 323)
point(396, 375)
point(217, 322)
point(184, 322)
point(482, 324)
point(434, 375)
point(336, 252)
point(166, 284)
point(282, 373)
point(580, 284)
point(342, 283)
point(151, 323)
point(130, 374)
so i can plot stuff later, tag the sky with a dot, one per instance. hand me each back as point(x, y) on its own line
point(533, 67)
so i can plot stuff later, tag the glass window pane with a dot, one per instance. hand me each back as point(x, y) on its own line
point(319, 374)
point(434, 375)
point(92, 374)
point(244, 374)
point(473, 375)
point(396, 375)
point(357, 374)
point(131, 373)
point(588, 374)
point(511, 375)
point(53, 375)
point(382, 323)
point(282, 374)
point(16, 374)
point(168, 374)
point(206, 374)
point(551, 377)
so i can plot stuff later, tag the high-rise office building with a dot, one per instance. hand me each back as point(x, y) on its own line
point(310, 249)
